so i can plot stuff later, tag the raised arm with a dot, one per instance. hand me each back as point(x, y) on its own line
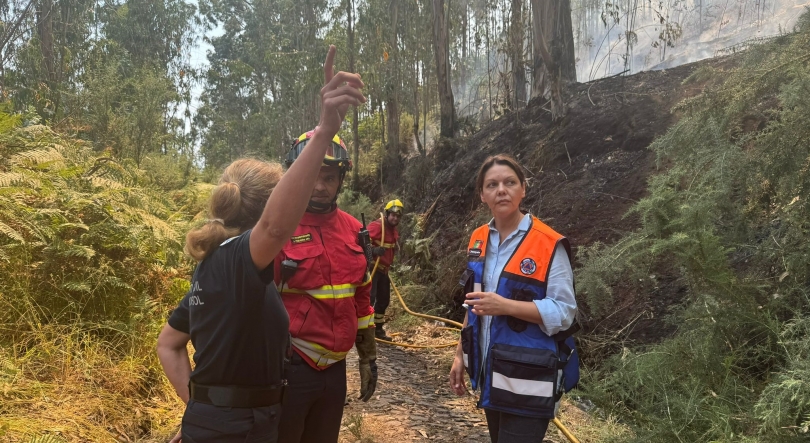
point(289, 199)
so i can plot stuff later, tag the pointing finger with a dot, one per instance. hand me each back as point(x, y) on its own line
point(329, 64)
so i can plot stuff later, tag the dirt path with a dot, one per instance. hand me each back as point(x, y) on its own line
point(413, 402)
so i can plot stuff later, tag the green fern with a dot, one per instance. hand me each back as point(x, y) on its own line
point(729, 220)
point(46, 438)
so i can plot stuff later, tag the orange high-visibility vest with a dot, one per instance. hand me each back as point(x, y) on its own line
point(525, 371)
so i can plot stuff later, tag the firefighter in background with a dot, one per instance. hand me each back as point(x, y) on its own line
point(322, 274)
point(384, 248)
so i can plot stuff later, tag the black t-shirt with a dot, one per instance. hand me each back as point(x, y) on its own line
point(236, 319)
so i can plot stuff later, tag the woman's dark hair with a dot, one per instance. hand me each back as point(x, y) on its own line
point(500, 159)
point(236, 204)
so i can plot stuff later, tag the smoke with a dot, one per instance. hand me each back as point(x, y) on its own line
point(669, 33)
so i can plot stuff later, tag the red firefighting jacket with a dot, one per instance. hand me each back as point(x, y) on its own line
point(328, 296)
point(389, 243)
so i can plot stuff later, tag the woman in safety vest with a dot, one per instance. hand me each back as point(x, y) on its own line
point(516, 345)
point(233, 314)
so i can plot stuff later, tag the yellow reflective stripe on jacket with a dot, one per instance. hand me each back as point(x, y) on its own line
point(324, 292)
point(383, 244)
point(320, 355)
point(365, 322)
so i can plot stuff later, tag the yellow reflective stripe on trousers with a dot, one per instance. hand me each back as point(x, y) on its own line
point(324, 292)
point(320, 355)
point(365, 322)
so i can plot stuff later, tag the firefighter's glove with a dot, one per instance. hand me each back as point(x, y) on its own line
point(378, 251)
point(367, 351)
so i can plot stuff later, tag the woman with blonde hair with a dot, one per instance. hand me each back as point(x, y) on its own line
point(233, 314)
point(516, 345)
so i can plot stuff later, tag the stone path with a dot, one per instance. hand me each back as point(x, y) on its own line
point(413, 402)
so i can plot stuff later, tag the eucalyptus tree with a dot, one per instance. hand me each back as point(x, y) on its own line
point(261, 87)
point(441, 37)
point(554, 59)
point(136, 79)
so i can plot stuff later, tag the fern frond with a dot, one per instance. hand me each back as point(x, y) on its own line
point(79, 251)
point(37, 157)
point(77, 286)
point(10, 178)
point(46, 438)
point(11, 232)
point(81, 226)
point(20, 178)
point(102, 182)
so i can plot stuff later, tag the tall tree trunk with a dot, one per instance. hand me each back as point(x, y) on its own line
point(489, 70)
point(441, 36)
point(419, 146)
point(382, 125)
point(541, 11)
point(563, 43)
point(464, 41)
point(46, 43)
point(355, 117)
point(393, 86)
point(425, 94)
point(518, 97)
point(551, 21)
point(391, 159)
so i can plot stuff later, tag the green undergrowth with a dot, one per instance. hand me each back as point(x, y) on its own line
point(729, 216)
point(90, 262)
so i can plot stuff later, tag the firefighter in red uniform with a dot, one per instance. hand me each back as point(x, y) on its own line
point(384, 248)
point(322, 274)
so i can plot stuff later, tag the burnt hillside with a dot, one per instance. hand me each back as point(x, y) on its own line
point(584, 171)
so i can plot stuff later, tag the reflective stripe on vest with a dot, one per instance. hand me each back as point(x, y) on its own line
point(383, 244)
point(317, 353)
point(514, 345)
point(324, 292)
point(365, 322)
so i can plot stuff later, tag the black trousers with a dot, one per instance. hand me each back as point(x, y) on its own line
point(511, 428)
point(204, 423)
point(380, 293)
point(313, 403)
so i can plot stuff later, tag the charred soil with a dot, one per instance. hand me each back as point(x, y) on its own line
point(585, 172)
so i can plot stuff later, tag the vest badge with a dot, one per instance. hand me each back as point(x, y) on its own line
point(528, 266)
point(301, 238)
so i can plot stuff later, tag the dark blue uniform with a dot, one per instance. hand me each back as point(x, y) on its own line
point(239, 329)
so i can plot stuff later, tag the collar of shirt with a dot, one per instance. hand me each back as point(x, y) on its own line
point(523, 226)
point(317, 219)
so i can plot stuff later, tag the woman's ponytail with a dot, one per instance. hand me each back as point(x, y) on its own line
point(235, 206)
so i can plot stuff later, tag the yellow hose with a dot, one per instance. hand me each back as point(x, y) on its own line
point(402, 301)
point(382, 240)
point(565, 431)
point(416, 314)
point(406, 345)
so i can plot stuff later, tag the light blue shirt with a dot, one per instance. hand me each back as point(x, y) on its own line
point(558, 309)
